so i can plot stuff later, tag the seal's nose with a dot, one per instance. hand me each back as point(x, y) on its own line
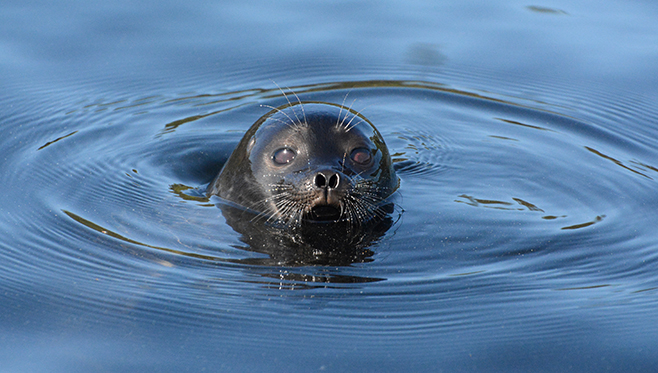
point(326, 204)
point(327, 179)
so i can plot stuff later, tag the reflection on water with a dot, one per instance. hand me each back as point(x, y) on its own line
point(496, 215)
point(313, 243)
point(524, 136)
point(541, 9)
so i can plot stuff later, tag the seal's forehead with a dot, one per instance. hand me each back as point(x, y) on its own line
point(315, 120)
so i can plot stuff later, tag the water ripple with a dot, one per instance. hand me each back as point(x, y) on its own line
point(507, 200)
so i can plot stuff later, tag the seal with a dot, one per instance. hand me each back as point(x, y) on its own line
point(310, 162)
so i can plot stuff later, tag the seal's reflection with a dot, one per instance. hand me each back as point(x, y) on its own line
point(334, 243)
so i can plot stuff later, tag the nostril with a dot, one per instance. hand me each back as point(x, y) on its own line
point(333, 181)
point(320, 180)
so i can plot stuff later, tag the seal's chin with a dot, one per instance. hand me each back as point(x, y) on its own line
point(323, 213)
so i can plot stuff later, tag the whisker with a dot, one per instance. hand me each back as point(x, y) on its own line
point(292, 121)
point(347, 126)
point(347, 114)
point(291, 105)
point(342, 106)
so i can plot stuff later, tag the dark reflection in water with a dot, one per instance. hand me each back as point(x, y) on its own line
point(545, 10)
point(525, 226)
point(312, 243)
point(524, 133)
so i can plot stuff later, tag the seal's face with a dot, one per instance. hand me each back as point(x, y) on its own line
point(311, 161)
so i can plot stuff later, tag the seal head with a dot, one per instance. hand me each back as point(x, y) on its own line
point(310, 162)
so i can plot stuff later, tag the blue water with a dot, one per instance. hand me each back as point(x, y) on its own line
point(525, 136)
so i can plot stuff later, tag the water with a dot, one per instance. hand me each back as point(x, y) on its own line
point(524, 136)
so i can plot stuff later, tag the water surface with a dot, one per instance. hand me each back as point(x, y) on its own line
point(524, 136)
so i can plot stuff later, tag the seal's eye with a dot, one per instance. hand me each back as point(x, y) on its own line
point(283, 156)
point(361, 155)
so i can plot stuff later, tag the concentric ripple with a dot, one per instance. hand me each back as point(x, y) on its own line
point(505, 203)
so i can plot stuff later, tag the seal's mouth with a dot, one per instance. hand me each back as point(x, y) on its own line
point(323, 213)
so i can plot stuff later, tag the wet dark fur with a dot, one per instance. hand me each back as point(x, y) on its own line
point(322, 135)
